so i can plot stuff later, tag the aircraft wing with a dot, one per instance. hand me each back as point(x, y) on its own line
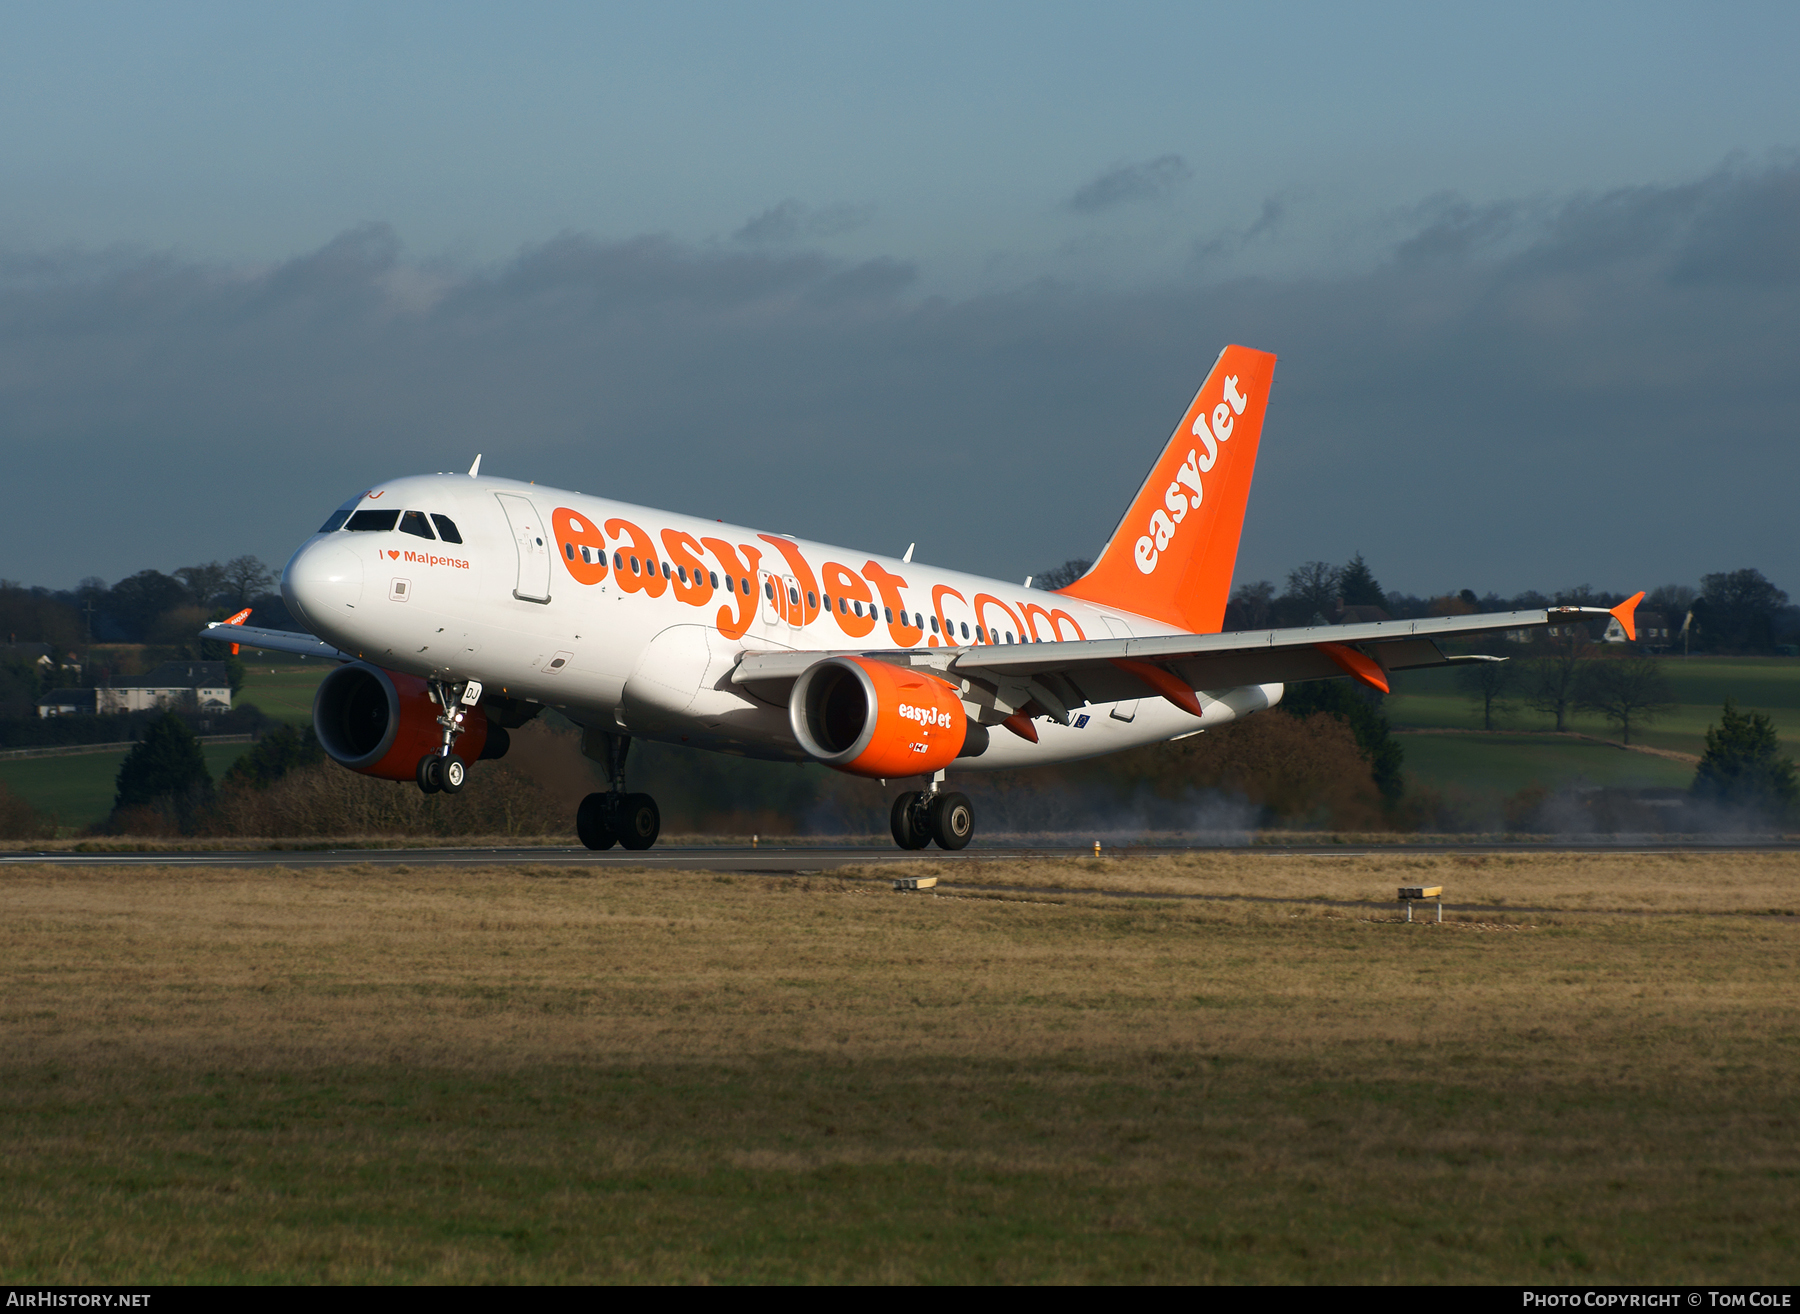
point(1050, 678)
point(273, 640)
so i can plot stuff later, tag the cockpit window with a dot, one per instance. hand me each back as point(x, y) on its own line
point(415, 523)
point(338, 517)
point(372, 522)
point(446, 528)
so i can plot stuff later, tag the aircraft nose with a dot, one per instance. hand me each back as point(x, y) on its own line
point(322, 584)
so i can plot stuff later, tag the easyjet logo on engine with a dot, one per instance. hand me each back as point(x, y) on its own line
point(923, 715)
point(1178, 500)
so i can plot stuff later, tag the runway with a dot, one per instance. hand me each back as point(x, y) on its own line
point(804, 859)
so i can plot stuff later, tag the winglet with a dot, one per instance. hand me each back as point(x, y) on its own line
point(1626, 614)
point(238, 619)
point(1357, 664)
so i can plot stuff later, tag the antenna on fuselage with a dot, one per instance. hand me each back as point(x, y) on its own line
point(909, 548)
point(476, 468)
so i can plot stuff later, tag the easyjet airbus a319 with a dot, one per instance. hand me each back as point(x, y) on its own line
point(461, 606)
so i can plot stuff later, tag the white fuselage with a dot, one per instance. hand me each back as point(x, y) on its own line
point(557, 622)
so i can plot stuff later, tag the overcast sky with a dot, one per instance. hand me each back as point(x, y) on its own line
point(944, 273)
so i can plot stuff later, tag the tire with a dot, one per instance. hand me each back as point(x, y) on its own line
point(454, 773)
point(637, 821)
point(952, 821)
point(905, 821)
point(591, 822)
point(430, 773)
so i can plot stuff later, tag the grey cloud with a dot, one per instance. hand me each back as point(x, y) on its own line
point(1266, 225)
point(1151, 180)
point(1604, 391)
point(792, 222)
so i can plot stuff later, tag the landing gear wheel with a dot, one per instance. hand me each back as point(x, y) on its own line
point(430, 774)
point(952, 820)
point(908, 821)
point(637, 821)
point(454, 773)
point(591, 822)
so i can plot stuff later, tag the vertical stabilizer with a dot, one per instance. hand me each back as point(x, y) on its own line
point(1172, 556)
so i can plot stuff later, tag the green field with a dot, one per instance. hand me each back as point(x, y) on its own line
point(537, 1075)
point(79, 789)
point(1508, 763)
point(282, 685)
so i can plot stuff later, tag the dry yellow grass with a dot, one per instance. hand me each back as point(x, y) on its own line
point(374, 1073)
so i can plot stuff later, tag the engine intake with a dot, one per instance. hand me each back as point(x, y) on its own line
point(380, 723)
point(872, 718)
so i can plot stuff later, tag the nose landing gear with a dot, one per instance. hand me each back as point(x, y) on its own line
point(444, 770)
point(632, 821)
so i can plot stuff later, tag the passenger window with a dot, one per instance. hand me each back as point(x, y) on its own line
point(713, 577)
point(919, 622)
point(811, 601)
point(372, 522)
point(769, 590)
point(446, 528)
point(1009, 637)
point(681, 572)
point(793, 596)
point(618, 561)
point(336, 522)
point(665, 570)
point(858, 606)
point(934, 628)
point(635, 569)
point(965, 628)
point(744, 584)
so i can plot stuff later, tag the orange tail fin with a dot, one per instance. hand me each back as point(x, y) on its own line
point(1172, 555)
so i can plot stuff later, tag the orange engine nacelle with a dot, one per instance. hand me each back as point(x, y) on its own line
point(872, 718)
point(381, 722)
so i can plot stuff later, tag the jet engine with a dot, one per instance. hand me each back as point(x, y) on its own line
point(381, 723)
point(872, 718)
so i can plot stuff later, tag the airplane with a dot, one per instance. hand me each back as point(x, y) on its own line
point(461, 606)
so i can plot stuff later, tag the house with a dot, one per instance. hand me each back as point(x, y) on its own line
point(200, 686)
point(67, 702)
point(1652, 630)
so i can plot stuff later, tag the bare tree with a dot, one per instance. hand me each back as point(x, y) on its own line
point(1552, 679)
point(1487, 684)
point(1626, 689)
point(1062, 576)
point(247, 577)
point(205, 581)
point(1255, 604)
point(1313, 588)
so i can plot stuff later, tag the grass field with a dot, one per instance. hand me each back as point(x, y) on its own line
point(1504, 764)
point(1768, 684)
point(538, 1075)
point(79, 789)
point(282, 685)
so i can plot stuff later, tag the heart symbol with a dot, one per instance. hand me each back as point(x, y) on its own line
point(392, 553)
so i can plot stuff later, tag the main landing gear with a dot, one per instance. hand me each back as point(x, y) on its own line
point(919, 818)
point(630, 820)
point(444, 770)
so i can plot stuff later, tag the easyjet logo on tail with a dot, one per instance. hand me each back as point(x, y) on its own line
point(1186, 492)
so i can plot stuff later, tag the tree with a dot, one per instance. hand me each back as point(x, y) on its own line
point(134, 603)
point(1060, 577)
point(1252, 605)
point(165, 772)
point(1626, 688)
point(1357, 586)
point(1363, 714)
point(206, 581)
point(1743, 765)
point(1552, 680)
point(1312, 591)
point(247, 577)
point(282, 750)
point(1487, 684)
point(1736, 611)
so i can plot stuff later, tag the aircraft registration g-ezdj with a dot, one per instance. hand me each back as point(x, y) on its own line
point(461, 606)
